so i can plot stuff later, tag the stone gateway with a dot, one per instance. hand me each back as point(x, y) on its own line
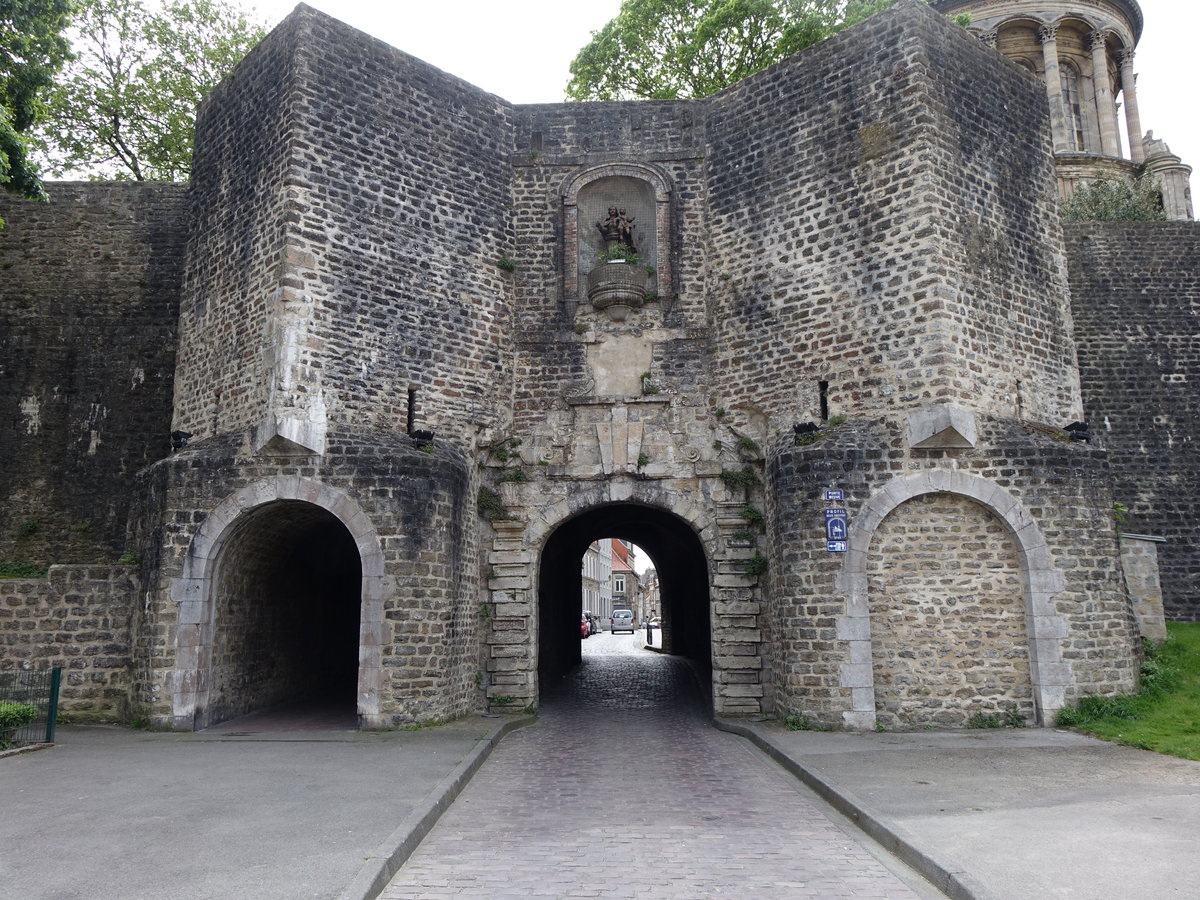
point(339, 418)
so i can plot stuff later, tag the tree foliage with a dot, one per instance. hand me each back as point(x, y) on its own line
point(32, 48)
point(1116, 200)
point(692, 48)
point(126, 107)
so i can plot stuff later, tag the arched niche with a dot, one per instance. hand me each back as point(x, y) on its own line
point(644, 192)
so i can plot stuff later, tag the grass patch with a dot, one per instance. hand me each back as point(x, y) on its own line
point(1164, 716)
point(16, 569)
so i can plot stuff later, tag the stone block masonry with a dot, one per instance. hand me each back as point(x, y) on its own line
point(864, 198)
point(364, 197)
point(1136, 296)
point(79, 618)
point(855, 279)
point(89, 305)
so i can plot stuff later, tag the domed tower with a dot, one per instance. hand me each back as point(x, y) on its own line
point(1084, 50)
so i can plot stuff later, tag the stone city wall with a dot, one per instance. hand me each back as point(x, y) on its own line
point(1059, 486)
point(88, 309)
point(1136, 295)
point(349, 271)
point(79, 618)
point(239, 255)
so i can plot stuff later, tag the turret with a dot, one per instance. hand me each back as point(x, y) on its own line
point(1083, 51)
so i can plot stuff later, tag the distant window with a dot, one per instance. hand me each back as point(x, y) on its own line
point(619, 584)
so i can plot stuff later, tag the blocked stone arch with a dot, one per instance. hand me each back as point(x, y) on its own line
point(193, 592)
point(575, 248)
point(1049, 674)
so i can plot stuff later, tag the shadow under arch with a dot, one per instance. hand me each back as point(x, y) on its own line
point(254, 535)
point(683, 571)
point(1049, 674)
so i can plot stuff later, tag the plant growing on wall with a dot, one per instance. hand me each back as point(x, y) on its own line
point(15, 569)
point(756, 566)
point(743, 478)
point(489, 506)
point(620, 253)
point(1116, 200)
point(753, 517)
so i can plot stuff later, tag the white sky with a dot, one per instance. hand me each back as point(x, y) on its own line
point(521, 49)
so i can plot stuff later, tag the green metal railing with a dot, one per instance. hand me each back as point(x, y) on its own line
point(28, 707)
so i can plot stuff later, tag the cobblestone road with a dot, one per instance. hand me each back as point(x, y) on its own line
point(623, 790)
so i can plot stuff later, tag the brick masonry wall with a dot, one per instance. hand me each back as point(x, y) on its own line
point(79, 618)
point(88, 307)
point(880, 223)
point(1136, 296)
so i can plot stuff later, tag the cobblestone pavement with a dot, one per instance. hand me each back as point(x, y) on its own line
point(624, 790)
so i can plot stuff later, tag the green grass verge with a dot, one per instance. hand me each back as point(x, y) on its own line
point(1164, 716)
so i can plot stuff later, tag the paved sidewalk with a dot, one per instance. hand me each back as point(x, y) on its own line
point(1008, 815)
point(247, 811)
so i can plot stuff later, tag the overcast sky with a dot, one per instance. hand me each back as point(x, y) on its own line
point(521, 49)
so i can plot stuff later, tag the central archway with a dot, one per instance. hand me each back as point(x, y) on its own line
point(683, 572)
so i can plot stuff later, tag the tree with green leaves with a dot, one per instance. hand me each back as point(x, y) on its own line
point(1116, 200)
point(692, 48)
point(126, 106)
point(32, 49)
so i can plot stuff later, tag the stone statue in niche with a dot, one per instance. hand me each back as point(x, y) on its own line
point(617, 229)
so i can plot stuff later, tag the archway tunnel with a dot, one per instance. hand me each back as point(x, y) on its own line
point(287, 603)
point(683, 574)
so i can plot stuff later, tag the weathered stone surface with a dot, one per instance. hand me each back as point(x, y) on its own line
point(376, 249)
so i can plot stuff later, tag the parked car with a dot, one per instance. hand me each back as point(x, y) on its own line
point(622, 620)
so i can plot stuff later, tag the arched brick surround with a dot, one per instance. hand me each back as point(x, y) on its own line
point(1049, 674)
point(193, 592)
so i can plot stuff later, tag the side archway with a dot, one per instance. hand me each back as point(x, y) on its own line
point(249, 536)
point(1040, 582)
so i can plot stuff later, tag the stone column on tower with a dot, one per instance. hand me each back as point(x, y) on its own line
point(1133, 119)
point(1110, 138)
point(1048, 35)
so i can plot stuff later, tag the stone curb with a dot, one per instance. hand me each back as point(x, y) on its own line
point(24, 748)
point(958, 885)
point(400, 844)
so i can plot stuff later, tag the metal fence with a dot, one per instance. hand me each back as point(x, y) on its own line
point(28, 706)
